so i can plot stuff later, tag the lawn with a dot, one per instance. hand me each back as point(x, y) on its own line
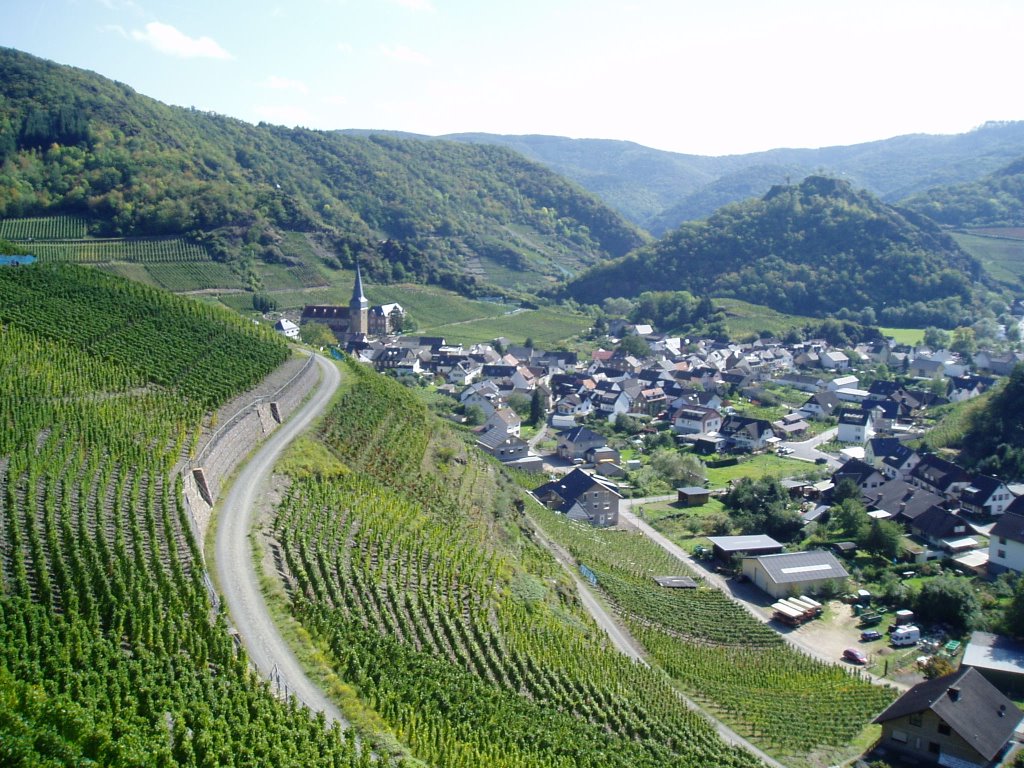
point(754, 467)
point(909, 336)
point(744, 320)
point(548, 326)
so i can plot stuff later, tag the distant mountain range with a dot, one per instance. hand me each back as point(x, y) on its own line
point(659, 190)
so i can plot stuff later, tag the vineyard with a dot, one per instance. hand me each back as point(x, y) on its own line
point(735, 666)
point(204, 353)
point(411, 555)
point(110, 650)
point(170, 250)
point(43, 228)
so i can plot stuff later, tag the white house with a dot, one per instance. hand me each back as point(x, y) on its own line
point(287, 327)
point(855, 426)
point(1006, 544)
point(834, 361)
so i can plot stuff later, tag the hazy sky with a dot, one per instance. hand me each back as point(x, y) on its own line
point(710, 77)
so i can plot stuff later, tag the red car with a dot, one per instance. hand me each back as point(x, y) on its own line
point(855, 655)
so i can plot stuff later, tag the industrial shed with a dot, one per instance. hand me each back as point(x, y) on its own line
point(795, 573)
point(999, 659)
point(727, 547)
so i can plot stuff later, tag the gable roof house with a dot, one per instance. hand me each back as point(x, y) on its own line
point(746, 434)
point(939, 476)
point(898, 464)
point(901, 500)
point(855, 426)
point(580, 496)
point(986, 495)
point(860, 472)
point(694, 420)
point(505, 420)
point(834, 360)
point(959, 720)
point(820, 405)
point(1006, 542)
point(574, 443)
point(504, 446)
point(938, 526)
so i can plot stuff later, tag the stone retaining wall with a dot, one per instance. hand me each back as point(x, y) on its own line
point(243, 424)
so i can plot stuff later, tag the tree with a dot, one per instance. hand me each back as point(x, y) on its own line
point(849, 518)
point(883, 538)
point(317, 335)
point(634, 345)
point(1013, 619)
point(678, 468)
point(947, 600)
point(936, 667)
point(935, 338)
point(762, 506)
point(537, 407)
point(474, 415)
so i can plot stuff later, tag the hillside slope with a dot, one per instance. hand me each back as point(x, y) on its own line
point(996, 200)
point(74, 142)
point(814, 248)
point(659, 190)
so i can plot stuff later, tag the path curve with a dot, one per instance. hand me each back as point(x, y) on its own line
point(236, 572)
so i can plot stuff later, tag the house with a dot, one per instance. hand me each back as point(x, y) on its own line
point(820, 405)
point(939, 476)
point(898, 464)
point(986, 495)
point(580, 496)
point(795, 573)
point(855, 426)
point(574, 443)
point(287, 327)
point(693, 419)
point(790, 425)
point(1006, 542)
point(503, 446)
point(902, 501)
point(727, 547)
point(861, 473)
point(958, 720)
point(602, 455)
point(746, 434)
point(834, 360)
point(464, 372)
point(999, 659)
point(483, 394)
point(940, 528)
point(803, 382)
point(843, 382)
point(505, 420)
point(999, 363)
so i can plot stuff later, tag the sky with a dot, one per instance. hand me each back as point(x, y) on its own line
point(708, 77)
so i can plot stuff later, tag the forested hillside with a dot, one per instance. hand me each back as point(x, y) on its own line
point(111, 652)
point(660, 190)
point(994, 441)
point(997, 200)
point(73, 142)
point(814, 248)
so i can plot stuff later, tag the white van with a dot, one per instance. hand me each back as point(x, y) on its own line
point(904, 636)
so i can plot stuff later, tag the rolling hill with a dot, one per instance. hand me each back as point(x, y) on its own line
point(659, 190)
point(815, 248)
point(75, 143)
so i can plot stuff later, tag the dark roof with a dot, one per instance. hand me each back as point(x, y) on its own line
point(970, 704)
point(570, 487)
point(938, 472)
point(1010, 525)
point(881, 447)
point(581, 435)
point(796, 567)
point(898, 456)
point(856, 418)
point(856, 470)
point(495, 437)
point(939, 523)
point(899, 498)
point(981, 489)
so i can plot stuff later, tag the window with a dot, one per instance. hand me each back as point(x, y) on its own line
point(944, 729)
point(1002, 539)
point(900, 736)
point(1001, 553)
point(915, 719)
point(933, 747)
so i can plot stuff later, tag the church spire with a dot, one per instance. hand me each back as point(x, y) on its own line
point(358, 298)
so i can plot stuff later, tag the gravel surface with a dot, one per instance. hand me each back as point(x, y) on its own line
point(236, 571)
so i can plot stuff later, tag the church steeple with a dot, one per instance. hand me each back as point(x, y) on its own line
point(358, 307)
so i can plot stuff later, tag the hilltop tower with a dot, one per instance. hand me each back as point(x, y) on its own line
point(358, 307)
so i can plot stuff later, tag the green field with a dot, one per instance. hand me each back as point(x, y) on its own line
point(744, 319)
point(547, 327)
point(909, 336)
point(1002, 257)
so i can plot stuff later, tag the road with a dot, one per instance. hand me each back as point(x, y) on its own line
point(236, 571)
point(807, 450)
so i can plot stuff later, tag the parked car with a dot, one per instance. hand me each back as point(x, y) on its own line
point(870, 634)
point(855, 655)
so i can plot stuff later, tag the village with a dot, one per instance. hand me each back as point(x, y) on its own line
point(588, 427)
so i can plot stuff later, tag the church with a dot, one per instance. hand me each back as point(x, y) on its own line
point(358, 320)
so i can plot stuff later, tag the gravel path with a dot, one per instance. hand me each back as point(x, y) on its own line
point(236, 571)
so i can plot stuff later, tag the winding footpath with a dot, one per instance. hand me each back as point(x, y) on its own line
point(236, 572)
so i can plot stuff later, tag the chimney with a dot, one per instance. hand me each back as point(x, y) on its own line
point(954, 693)
point(1002, 710)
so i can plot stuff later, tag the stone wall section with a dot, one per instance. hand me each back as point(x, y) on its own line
point(237, 429)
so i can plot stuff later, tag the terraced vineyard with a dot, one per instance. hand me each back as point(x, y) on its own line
point(110, 650)
point(170, 250)
point(737, 667)
point(43, 228)
point(398, 565)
